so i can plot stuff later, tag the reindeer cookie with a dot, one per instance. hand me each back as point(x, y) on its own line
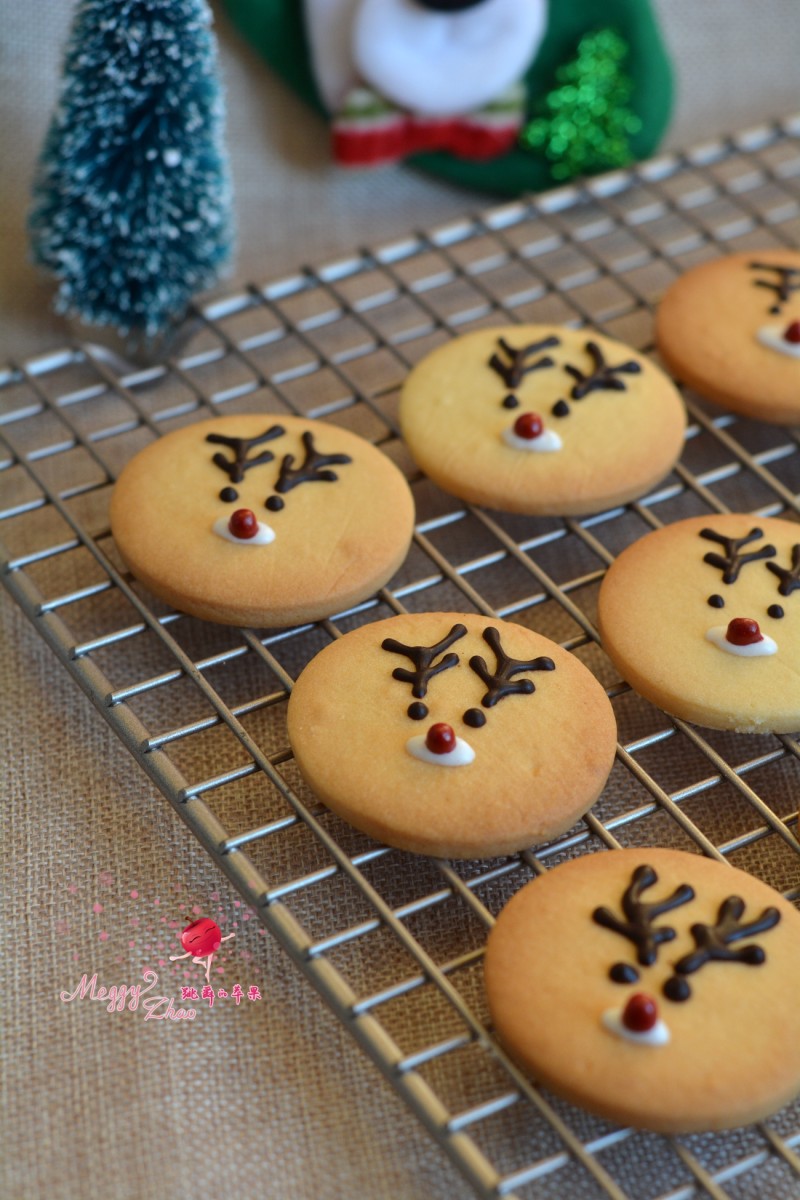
point(453, 735)
point(262, 519)
point(730, 329)
point(703, 618)
point(541, 420)
point(653, 987)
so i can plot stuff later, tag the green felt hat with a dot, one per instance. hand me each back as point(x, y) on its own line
point(619, 36)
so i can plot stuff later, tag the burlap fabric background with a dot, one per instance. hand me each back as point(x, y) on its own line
point(269, 1098)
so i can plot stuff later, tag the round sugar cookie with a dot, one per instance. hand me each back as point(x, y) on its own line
point(703, 618)
point(653, 987)
point(452, 735)
point(542, 420)
point(330, 519)
point(730, 329)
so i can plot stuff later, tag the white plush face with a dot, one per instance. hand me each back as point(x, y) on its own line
point(430, 62)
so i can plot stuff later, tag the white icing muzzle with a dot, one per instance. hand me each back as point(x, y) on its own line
point(461, 754)
point(547, 442)
point(262, 537)
point(657, 1036)
point(772, 336)
point(752, 650)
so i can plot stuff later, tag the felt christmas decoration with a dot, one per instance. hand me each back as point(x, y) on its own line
point(132, 199)
point(586, 124)
point(502, 95)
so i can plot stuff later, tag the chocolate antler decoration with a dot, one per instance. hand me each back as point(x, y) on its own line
point(312, 469)
point(513, 372)
point(788, 281)
point(241, 447)
point(713, 944)
point(733, 560)
point(639, 927)
point(500, 683)
point(603, 376)
point(789, 576)
point(423, 659)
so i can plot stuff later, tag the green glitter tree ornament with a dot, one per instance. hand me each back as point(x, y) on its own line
point(586, 125)
point(132, 198)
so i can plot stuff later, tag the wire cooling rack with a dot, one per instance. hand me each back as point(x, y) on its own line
point(393, 943)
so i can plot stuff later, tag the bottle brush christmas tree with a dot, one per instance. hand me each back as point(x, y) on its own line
point(132, 196)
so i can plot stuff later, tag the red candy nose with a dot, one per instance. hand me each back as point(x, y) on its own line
point(440, 738)
point(640, 1013)
point(792, 332)
point(743, 631)
point(529, 425)
point(243, 523)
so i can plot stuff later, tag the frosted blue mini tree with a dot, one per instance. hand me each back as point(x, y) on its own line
point(132, 198)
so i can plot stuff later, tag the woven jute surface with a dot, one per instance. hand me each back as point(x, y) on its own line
point(268, 1097)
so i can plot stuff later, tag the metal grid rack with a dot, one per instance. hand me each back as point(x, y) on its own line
point(393, 943)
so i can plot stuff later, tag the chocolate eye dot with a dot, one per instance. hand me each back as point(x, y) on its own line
point(677, 989)
point(623, 973)
point(274, 503)
point(229, 494)
point(716, 601)
point(510, 401)
point(474, 718)
point(417, 711)
point(775, 611)
point(560, 409)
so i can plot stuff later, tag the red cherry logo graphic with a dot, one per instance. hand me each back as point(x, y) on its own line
point(640, 1013)
point(440, 738)
point(243, 523)
point(792, 333)
point(743, 631)
point(529, 426)
point(202, 937)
